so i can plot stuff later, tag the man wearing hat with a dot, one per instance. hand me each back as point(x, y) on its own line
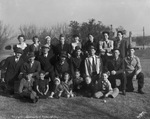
point(13, 67)
point(77, 62)
point(62, 65)
point(32, 66)
point(115, 69)
point(45, 60)
point(93, 64)
point(133, 71)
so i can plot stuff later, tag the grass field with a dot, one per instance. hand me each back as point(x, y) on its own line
point(122, 107)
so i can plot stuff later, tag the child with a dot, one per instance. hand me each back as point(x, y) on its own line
point(67, 85)
point(77, 82)
point(58, 89)
point(105, 88)
point(42, 85)
point(88, 87)
point(26, 88)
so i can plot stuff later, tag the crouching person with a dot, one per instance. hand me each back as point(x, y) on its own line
point(104, 89)
point(26, 88)
point(57, 90)
point(42, 85)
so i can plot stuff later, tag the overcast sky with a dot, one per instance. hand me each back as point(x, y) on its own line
point(131, 14)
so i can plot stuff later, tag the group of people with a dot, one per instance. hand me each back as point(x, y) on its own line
point(47, 71)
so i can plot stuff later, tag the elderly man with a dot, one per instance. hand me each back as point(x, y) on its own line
point(13, 67)
point(93, 64)
point(133, 71)
point(115, 67)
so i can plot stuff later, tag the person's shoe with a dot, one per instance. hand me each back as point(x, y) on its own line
point(124, 92)
point(140, 91)
point(35, 100)
point(129, 90)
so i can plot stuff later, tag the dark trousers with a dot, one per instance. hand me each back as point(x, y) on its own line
point(121, 76)
point(140, 79)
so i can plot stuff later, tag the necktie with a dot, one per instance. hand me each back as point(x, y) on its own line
point(93, 64)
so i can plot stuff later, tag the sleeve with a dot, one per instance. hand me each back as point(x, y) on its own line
point(121, 68)
point(109, 86)
point(21, 86)
point(86, 68)
point(138, 66)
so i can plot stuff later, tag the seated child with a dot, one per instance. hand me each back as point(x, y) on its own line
point(57, 90)
point(26, 88)
point(77, 82)
point(104, 88)
point(88, 87)
point(42, 85)
point(67, 85)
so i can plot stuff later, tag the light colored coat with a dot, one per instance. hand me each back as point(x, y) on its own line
point(88, 66)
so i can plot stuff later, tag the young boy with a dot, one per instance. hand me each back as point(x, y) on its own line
point(26, 88)
point(58, 89)
point(104, 88)
point(67, 85)
point(42, 85)
point(77, 82)
point(88, 87)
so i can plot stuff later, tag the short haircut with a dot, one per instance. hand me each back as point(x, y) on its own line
point(34, 37)
point(120, 32)
point(21, 36)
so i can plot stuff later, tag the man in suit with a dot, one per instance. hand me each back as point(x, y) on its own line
point(32, 66)
point(13, 67)
point(121, 44)
point(91, 41)
point(45, 61)
point(115, 70)
point(77, 62)
point(62, 46)
point(133, 71)
point(93, 64)
point(62, 66)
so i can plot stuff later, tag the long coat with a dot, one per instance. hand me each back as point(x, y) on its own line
point(13, 69)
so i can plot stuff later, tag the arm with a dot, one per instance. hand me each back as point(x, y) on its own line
point(138, 66)
point(86, 68)
point(47, 88)
point(37, 88)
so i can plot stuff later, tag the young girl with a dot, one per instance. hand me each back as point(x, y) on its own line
point(42, 86)
point(57, 90)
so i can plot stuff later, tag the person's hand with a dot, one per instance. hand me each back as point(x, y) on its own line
point(51, 96)
point(113, 72)
point(3, 80)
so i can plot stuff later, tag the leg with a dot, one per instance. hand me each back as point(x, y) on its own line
point(123, 82)
point(98, 94)
point(112, 79)
point(140, 78)
point(130, 83)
